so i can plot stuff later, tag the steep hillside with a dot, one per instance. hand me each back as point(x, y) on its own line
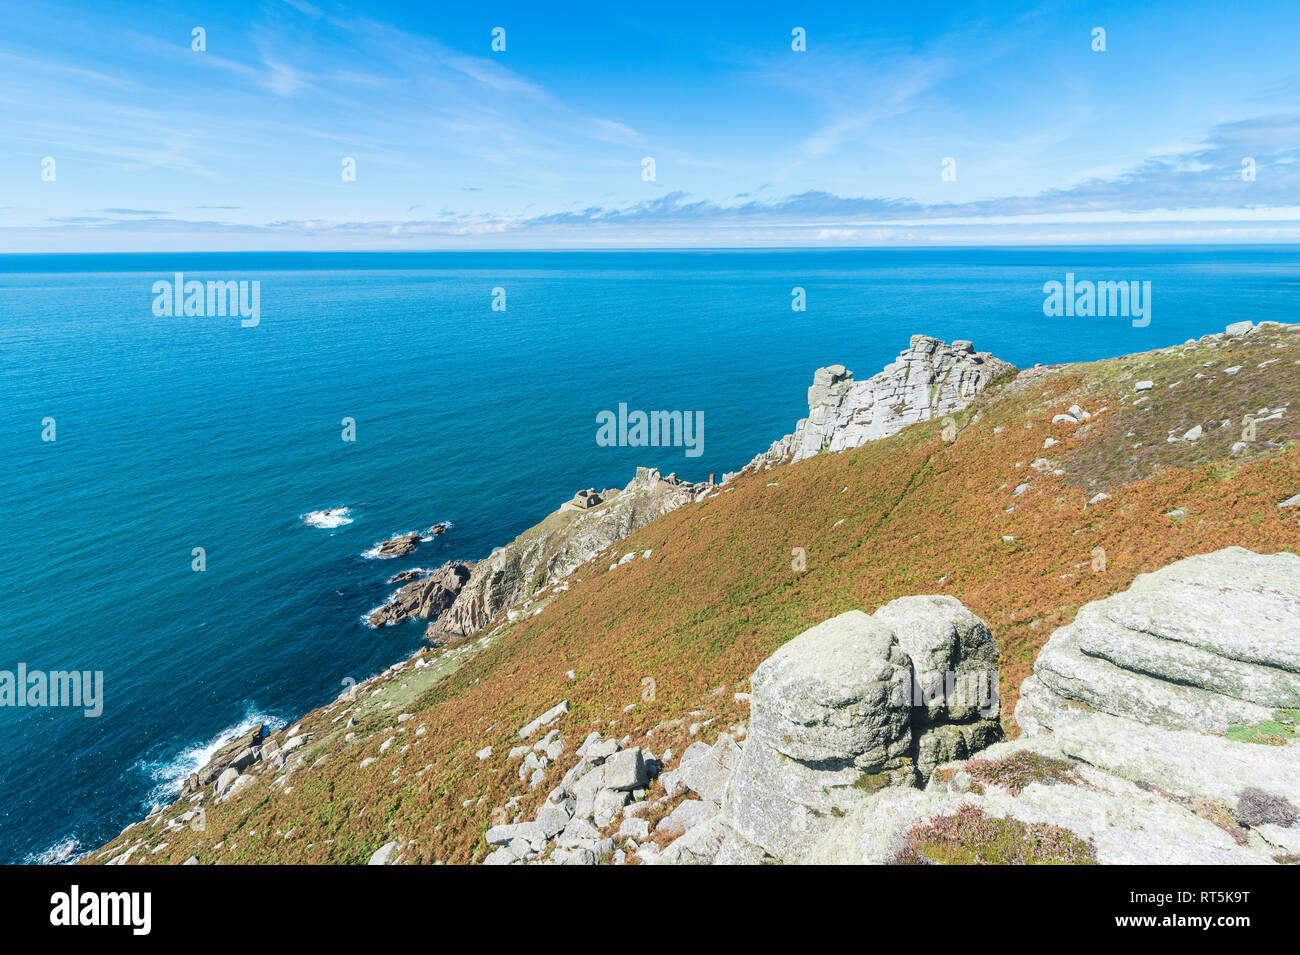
point(1020, 507)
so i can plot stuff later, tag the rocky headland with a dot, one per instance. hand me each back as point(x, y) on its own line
point(424, 597)
point(545, 554)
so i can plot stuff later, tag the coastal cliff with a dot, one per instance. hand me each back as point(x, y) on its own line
point(623, 714)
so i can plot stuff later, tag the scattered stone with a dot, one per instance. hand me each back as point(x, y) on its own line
point(381, 855)
point(550, 716)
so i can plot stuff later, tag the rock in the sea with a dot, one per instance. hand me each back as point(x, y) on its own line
point(423, 599)
point(399, 546)
point(406, 576)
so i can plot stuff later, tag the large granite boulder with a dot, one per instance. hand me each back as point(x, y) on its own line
point(856, 705)
point(954, 691)
point(830, 723)
point(1150, 683)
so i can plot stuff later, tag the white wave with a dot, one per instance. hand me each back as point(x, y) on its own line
point(328, 518)
point(421, 571)
point(64, 851)
point(171, 775)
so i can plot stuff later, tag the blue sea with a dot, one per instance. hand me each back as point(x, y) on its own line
point(178, 433)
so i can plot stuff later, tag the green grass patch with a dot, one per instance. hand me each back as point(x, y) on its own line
point(1278, 731)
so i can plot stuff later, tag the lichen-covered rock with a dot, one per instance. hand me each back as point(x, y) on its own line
point(954, 691)
point(828, 726)
point(1147, 683)
point(1203, 644)
point(954, 656)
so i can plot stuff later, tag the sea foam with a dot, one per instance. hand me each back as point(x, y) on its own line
point(329, 518)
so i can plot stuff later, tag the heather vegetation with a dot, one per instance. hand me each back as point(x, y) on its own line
point(970, 837)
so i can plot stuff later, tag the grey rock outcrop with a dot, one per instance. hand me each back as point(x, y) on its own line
point(855, 705)
point(237, 754)
point(1146, 683)
point(399, 546)
point(928, 380)
point(828, 718)
point(1133, 737)
point(553, 549)
point(425, 598)
point(954, 680)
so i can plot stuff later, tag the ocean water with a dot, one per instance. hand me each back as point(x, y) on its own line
point(177, 433)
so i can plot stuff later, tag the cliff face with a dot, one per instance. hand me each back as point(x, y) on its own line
point(559, 545)
point(928, 380)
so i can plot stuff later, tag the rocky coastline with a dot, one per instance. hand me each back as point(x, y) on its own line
point(873, 738)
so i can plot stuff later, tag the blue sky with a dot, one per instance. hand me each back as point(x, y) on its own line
point(542, 145)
